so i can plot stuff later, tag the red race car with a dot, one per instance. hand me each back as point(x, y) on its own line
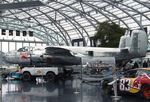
point(136, 81)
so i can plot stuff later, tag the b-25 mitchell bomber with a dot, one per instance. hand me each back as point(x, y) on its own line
point(130, 46)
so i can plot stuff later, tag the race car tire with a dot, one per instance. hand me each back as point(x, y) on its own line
point(50, 76)
point(106, 88)
point(26, 76)
point(145, 91)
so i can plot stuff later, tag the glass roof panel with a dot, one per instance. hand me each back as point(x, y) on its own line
point(74, 19)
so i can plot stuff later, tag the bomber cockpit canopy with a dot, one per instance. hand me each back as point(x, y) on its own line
point(24, 49)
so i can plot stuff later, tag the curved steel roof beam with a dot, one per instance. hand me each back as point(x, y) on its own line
point(39, 23)
point(21, 21)
point(76, 10)
point(76, 27)
point(54, 33)
point(66, 16)
point(93, 6)
point(81, 13)
point(4, 21)
point(136, 21)
point(142, 4)
point(33, 26)
point(56, 23)
point(97, 11)
point(14, 26)
point(135, 10)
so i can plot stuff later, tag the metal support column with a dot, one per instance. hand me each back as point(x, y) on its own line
point(140, 19)
point(1, 46)
point(0, 89)
point(22, 44)
point(15, 45)
point(8, 46)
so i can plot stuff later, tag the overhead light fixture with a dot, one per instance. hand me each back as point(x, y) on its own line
point(47, 1)
point(19, 5)
point(79, 0)
point(117, 1)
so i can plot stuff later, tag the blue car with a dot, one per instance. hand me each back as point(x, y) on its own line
point(15, 75)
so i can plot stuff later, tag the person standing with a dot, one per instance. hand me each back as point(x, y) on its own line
point(145, 65)
point(135, 65)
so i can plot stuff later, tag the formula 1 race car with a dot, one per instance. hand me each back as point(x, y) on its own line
point(14, 74)
point(135, 81)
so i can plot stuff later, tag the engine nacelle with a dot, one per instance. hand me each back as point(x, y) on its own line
point(125, 41)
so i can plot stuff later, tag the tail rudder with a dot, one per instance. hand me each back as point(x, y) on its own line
point(139, 43)
point(136, 43)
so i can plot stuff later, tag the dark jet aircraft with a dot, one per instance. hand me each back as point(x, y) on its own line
point(42, 56)
point(131, 46)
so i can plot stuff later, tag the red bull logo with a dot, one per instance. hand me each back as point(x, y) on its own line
point(23, 56)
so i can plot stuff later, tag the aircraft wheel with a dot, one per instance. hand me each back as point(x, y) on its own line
point(26, 76)
point(50, 76)
point(146, 91)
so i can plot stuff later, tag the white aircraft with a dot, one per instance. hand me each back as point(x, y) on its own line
point(130, 47)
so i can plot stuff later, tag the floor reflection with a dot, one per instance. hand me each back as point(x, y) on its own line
point(61, 91)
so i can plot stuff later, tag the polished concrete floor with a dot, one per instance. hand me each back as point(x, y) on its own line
point(71, 90)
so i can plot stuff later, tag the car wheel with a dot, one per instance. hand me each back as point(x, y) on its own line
point(26, 76)
point(4, 75)
point(50, 76)
point(146, 91)
point(106, 88)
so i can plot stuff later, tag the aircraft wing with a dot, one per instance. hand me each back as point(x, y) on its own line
point(60, 56)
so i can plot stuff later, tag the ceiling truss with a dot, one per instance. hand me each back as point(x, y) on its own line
point(60, 21)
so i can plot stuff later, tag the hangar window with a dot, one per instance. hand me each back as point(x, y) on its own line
point(3, 32)
point(24, 33)
point(17, 33)
point(30, 33)
point(10, 32)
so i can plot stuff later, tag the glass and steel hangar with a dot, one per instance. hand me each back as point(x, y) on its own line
point(60, 22)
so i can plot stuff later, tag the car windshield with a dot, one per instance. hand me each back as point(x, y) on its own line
point(24, 49)
point(147, 72)
point(131, 73)
point(144, 71)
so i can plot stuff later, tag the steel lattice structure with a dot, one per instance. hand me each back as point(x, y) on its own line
point(60, 21)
